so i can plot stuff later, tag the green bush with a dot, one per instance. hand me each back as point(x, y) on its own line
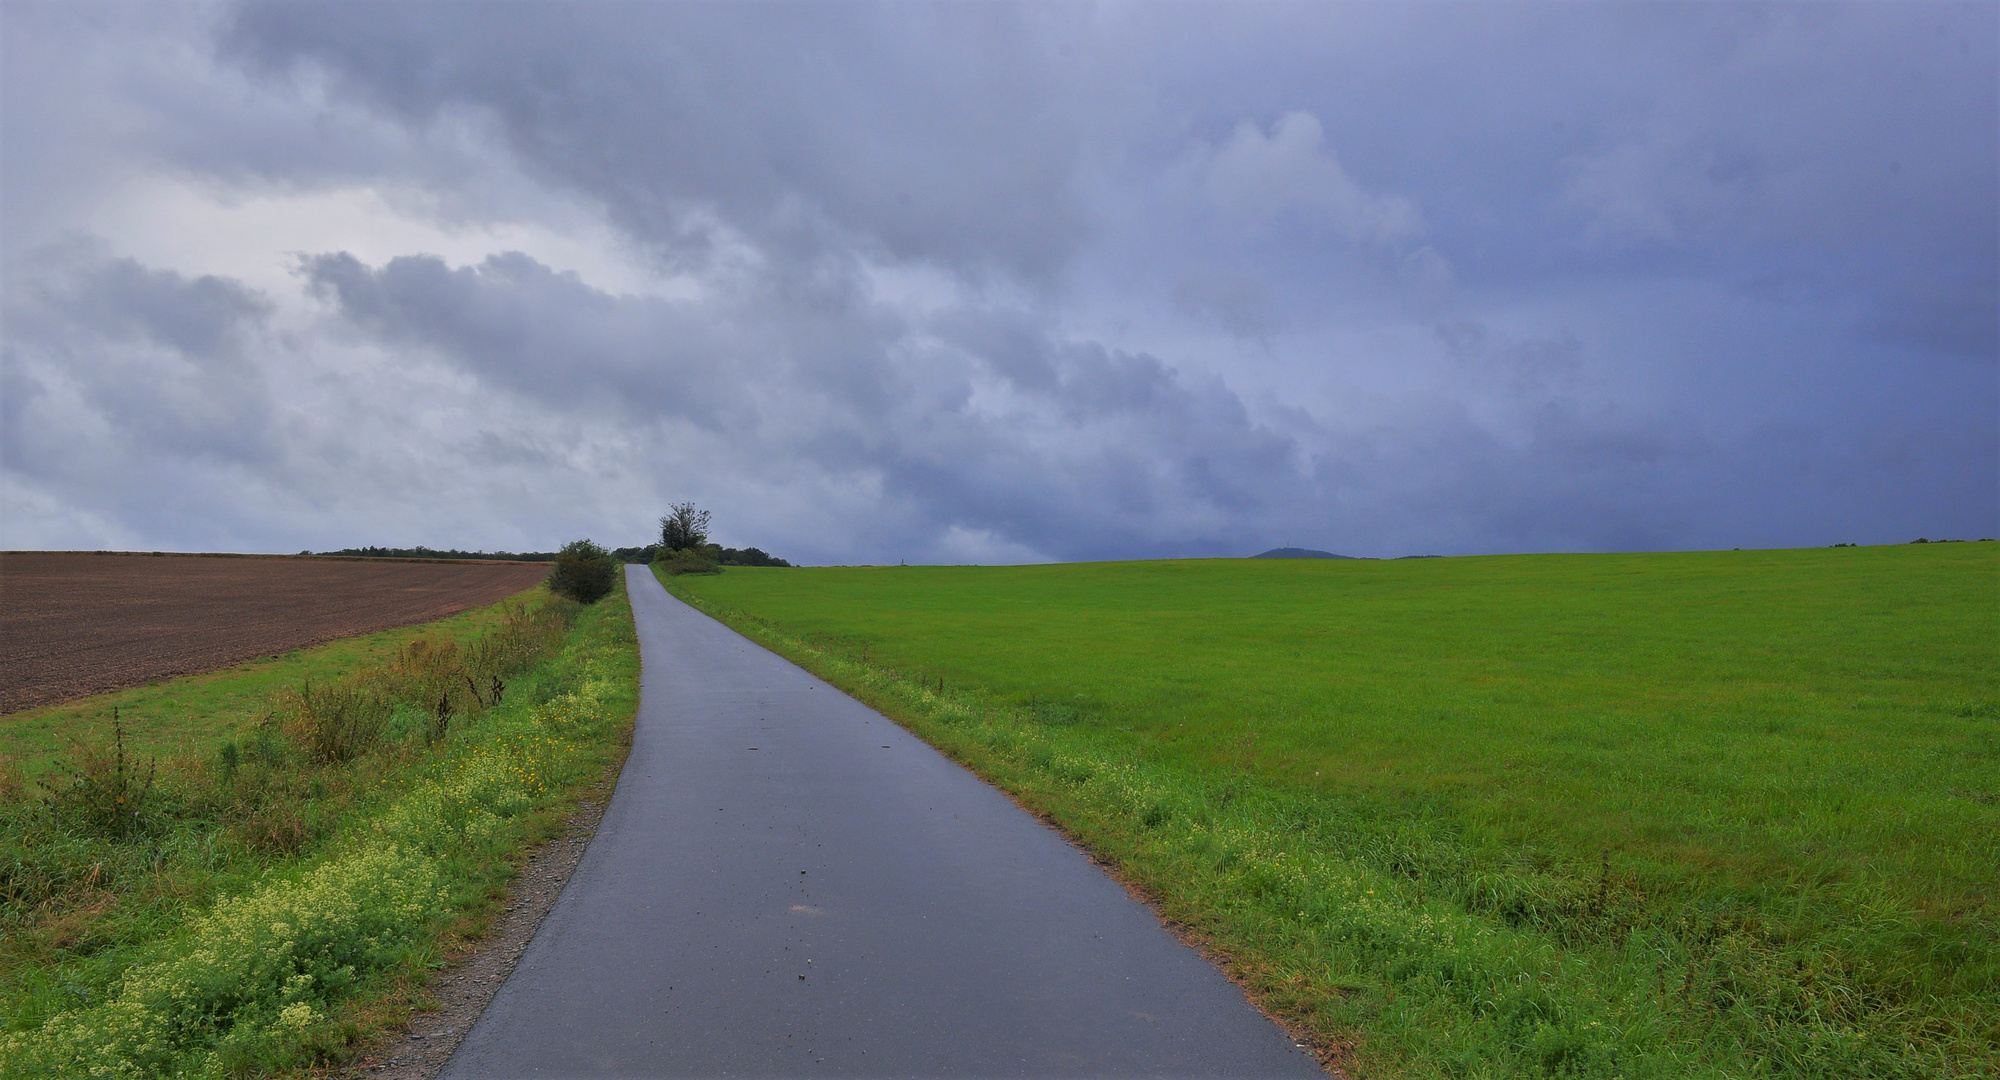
point(583, 572)
point(701, 560)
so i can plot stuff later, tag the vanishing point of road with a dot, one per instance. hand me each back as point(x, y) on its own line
point(786, 884)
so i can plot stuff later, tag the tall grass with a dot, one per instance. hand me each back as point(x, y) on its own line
point(1624, 816)
point(284, 883)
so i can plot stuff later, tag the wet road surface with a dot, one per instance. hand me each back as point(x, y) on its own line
point(786, 884)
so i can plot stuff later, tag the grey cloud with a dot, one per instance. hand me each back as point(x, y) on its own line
point(1077, 428)
point(1073, 449)
point(1289, 177)
point(1239, 302)
point(925, 131)
point(1675, 141)
point(1010, 281)
point(103, 345)
point(1671, 139)
point(134, 398)
point(142, 403)
point(1531, 367)
point(204, 319)
point(538, 332)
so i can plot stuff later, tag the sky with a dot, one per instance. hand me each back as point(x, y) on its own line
point(986, 282)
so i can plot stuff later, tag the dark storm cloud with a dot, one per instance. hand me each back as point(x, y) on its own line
point(125, 387)
point(521, 325)
point(927, 130)
point(985, 423)
point(1018, 281)
point(1075, 448)
point(143, 360)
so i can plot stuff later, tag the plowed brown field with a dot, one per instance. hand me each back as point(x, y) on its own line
point(73, 624)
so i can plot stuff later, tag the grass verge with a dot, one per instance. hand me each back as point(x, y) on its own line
point(209, 709)
point(271, 901)
point(1723, 814)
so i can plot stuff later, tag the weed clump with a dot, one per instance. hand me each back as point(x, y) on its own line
point(524, 636)
point(107, 792)
point(13, 782)
point(432, 675)
point(337, 721)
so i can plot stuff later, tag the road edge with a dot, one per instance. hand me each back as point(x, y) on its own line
point(477, 969)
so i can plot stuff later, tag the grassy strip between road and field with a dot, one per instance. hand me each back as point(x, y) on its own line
point(335, 823)
point(1731, 814)
point(165, 718)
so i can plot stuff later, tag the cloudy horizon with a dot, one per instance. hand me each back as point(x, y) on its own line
point(936, 282)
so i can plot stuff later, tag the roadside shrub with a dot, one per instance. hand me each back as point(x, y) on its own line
point(338, 720)
point(684, 546)
point(583, 572)
point(701, 560)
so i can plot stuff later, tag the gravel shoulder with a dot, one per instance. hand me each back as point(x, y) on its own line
point(467, 985)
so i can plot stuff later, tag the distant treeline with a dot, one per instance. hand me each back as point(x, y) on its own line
point(432, 553)
point(748, 557)
point(727, 556)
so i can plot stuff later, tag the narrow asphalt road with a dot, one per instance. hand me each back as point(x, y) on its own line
point(788, 884)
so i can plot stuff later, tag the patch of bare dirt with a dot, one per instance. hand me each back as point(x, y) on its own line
point(79, 623)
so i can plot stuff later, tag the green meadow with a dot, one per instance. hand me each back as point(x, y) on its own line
point(1696, 814)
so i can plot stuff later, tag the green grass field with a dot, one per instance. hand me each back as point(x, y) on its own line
point(1701, 814)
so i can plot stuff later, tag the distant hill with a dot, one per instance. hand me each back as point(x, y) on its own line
point(1298, 553)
